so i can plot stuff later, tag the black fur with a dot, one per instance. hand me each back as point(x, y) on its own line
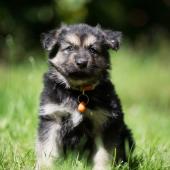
point(113, 131)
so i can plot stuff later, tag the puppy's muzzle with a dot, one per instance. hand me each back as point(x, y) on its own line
point(81, 62)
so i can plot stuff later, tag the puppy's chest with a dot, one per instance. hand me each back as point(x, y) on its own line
point(69, 109)
point(98, 116)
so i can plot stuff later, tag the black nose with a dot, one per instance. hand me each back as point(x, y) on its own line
point(81, 62)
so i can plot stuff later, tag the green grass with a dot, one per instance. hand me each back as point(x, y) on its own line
point(143, 84)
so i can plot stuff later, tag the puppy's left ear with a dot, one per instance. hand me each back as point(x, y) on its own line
point(112, 39)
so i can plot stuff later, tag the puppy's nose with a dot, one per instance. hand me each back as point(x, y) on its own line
point(81, 62)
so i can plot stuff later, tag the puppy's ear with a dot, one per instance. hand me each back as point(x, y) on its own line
point(112, 39)
point(49, 39)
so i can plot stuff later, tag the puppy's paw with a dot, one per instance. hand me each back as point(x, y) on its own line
point(101, 167)
point(44, 165)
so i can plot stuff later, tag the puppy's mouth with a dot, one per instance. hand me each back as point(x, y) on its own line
point(80, 75)
point(78, 79)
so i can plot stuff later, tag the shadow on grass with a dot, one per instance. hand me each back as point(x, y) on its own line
point(135, 161)
point(132, 164)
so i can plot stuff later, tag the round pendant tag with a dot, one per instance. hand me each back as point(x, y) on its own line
point(82, 107)
point(83, 100)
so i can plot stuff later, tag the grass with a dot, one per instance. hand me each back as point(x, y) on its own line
point(143, 84)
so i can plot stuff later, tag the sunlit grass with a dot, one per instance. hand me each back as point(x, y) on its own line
point(143, 84)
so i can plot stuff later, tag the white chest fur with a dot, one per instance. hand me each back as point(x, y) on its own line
point(97, 116)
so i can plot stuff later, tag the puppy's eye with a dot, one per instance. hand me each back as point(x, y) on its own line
point(69, 48)
point(93, 50)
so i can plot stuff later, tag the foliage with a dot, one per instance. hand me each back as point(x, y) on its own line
point(22, 22)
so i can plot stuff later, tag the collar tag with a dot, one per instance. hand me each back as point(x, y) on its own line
point(83, 98)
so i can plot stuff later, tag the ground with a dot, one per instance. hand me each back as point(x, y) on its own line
point(143, 83)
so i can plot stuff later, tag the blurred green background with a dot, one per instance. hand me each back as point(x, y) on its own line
point(143, 22)
point(140, 72)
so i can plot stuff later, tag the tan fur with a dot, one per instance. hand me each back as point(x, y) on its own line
point(48, 150)
point(58, 59)
point(89, 40)
point(102, 156)
point(73, 39)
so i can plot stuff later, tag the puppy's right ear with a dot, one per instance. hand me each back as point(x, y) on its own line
point(49, 39)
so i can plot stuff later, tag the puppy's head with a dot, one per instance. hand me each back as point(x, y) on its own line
point(80, 52)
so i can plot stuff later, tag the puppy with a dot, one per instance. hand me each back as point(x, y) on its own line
point(79, 108)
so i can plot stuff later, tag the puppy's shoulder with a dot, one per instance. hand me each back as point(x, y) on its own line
point(106, 91)
point(106, 88)
point(50, 92)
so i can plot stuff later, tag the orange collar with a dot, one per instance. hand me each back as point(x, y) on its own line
point(87, 88)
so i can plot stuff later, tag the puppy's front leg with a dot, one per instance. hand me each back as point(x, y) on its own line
point(102, 157)
point(48, 143)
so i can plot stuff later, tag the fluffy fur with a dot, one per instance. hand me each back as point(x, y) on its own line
point(78, 56)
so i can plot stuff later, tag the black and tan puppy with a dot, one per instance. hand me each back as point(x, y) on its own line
point(79, 108)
